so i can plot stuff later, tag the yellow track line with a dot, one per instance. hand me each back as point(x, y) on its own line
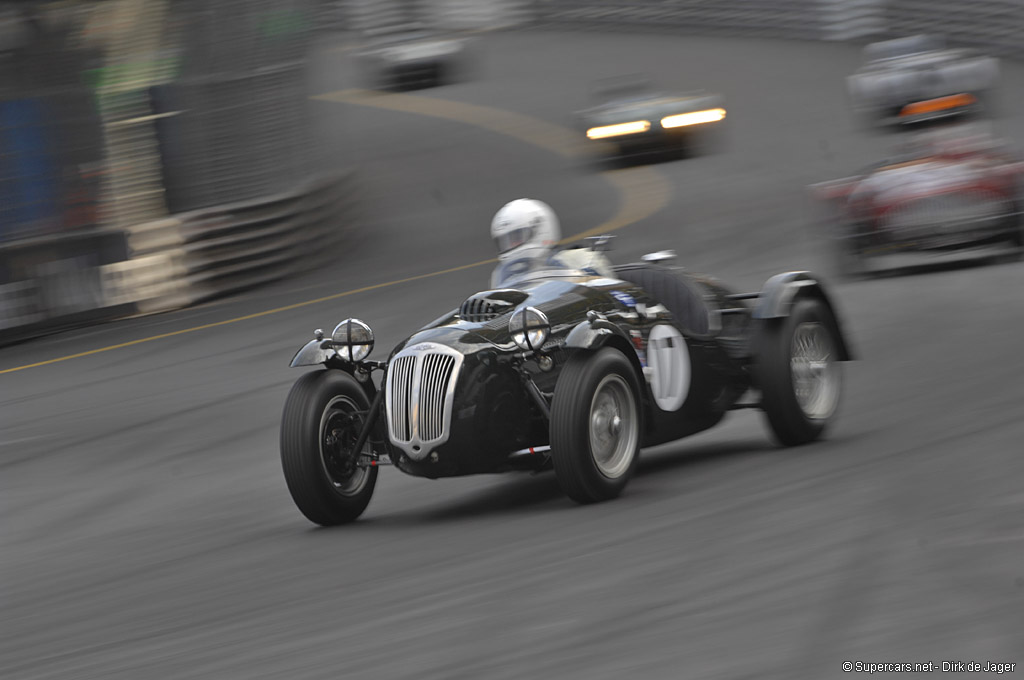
point(644, 191)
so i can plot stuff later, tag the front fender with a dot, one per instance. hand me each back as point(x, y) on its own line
point(781, 291)
point(314, 352)
point(592, 335)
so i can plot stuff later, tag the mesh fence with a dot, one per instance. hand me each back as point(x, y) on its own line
point(51, 132)
point(995, 25)
point(115, 112)
point(234, 124)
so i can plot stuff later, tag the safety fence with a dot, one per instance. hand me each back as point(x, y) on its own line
point(162, 125)
point(171, 263)
point(996, 25)
point(799, 19)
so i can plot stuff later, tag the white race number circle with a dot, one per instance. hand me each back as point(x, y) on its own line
point(668, 360)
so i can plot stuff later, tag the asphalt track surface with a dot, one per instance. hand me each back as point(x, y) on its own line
point(148, 533)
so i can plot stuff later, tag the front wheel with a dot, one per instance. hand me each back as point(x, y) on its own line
point(323, 416)
point(796, 366)
point(595, 425)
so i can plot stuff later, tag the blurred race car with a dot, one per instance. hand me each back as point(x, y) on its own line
point(407, 57)
point(917, 79)
point(634, 117)
point(948, 195)
point(563, 369)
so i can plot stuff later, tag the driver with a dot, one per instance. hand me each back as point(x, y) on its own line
point(526, 232)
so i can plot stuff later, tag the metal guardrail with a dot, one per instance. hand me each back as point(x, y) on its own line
point(996, 25)
point(218, 251)
point(174, 262)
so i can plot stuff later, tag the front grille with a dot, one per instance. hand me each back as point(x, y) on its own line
point(420, 385)
point(435, 373)
point(399, 393)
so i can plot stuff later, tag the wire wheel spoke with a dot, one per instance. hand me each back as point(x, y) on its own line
point(339, 429)
point(613, 426)
point(814, 370)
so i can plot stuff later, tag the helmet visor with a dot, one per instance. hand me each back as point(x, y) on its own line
point(513, 239)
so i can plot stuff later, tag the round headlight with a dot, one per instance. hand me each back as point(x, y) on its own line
point(529, 328)
point(353, 339)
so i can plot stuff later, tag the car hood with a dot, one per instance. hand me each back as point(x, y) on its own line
point(565, 301)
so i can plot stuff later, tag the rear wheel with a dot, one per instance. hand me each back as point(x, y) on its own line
point(323, 416)
point(595, 425)
point(796, 366)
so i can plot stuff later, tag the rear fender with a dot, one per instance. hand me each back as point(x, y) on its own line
point(782, 291)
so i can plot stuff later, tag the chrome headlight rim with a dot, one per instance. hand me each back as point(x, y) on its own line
point(353, 340)
point(529, 328)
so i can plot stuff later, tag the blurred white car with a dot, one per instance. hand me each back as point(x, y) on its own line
point(407, 57)
point(916, 79)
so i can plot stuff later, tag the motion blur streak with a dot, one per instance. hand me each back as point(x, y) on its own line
point(695, 118)
point(644, 192)
point(525, 128)
point(618, 129)
point(940, 104)
point(247, 317)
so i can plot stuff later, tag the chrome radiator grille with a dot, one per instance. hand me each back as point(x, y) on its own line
point(420, 389)
point(399, 392)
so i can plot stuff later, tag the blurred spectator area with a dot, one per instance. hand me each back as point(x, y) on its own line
point(51, 134)
point(114, 112)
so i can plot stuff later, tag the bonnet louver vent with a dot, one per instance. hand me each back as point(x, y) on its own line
point(490, 305)
point(476, 310)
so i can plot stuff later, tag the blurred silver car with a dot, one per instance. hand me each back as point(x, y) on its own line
point(407, 57)
point(916, 79)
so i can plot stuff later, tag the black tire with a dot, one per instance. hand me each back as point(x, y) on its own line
point(797, 416)
point(603, 380)
point(320, 475)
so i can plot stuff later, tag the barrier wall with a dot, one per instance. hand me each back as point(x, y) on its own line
point(996, 25)
point(177, 128)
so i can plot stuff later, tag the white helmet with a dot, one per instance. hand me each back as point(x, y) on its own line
point(525, 228)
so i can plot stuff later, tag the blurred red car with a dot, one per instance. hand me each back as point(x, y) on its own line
point(946, 193)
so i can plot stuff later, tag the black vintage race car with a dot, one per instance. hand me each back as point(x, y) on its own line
point(561, 370)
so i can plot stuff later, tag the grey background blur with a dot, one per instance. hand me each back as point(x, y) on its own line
point(148, 532)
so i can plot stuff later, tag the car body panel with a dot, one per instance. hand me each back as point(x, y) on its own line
point(954, 191)
point(916, 79)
